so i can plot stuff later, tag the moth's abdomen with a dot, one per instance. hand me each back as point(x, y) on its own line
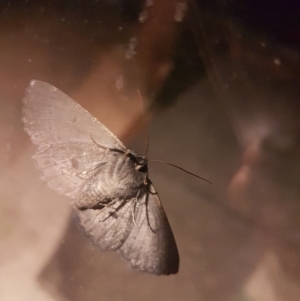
point(116, 179)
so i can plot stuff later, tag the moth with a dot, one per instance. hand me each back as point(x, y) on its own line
point(116, 203)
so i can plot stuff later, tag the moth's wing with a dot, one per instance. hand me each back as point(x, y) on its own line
point(106, 230)
point(65, 165)
point(50, 116)
point(64, 133)
point(150, 246)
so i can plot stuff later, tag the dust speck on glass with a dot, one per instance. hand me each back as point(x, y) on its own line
point(116, 204)
point(131, 50)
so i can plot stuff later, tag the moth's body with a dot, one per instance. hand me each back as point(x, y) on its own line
point(121, 176)
point(115, 202)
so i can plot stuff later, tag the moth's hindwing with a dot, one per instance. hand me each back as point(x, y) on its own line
point(138, 229)
point(150, 246)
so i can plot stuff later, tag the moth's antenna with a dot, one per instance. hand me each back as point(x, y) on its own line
point(147, 140)
point(190, 173)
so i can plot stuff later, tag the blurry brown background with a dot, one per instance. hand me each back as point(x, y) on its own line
point(220, 86)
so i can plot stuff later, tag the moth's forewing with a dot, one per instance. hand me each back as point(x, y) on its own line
point(64, 133)
point(51, 116)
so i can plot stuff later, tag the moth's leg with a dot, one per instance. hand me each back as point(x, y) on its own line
point(100, 210)
point(147, 213)
point(110, 214)
point(104, 206)
point(133, 212)
point(106, 148)
point(85, 172)
point(83, 175)
point(102, 146)
point(76, 174)
point(151, 189)
point(134, 207)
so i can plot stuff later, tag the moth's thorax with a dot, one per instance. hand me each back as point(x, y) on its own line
point(122, 175)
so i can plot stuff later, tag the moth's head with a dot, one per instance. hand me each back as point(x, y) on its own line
point(140, 162)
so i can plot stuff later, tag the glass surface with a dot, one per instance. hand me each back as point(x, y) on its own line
point(220, 98)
